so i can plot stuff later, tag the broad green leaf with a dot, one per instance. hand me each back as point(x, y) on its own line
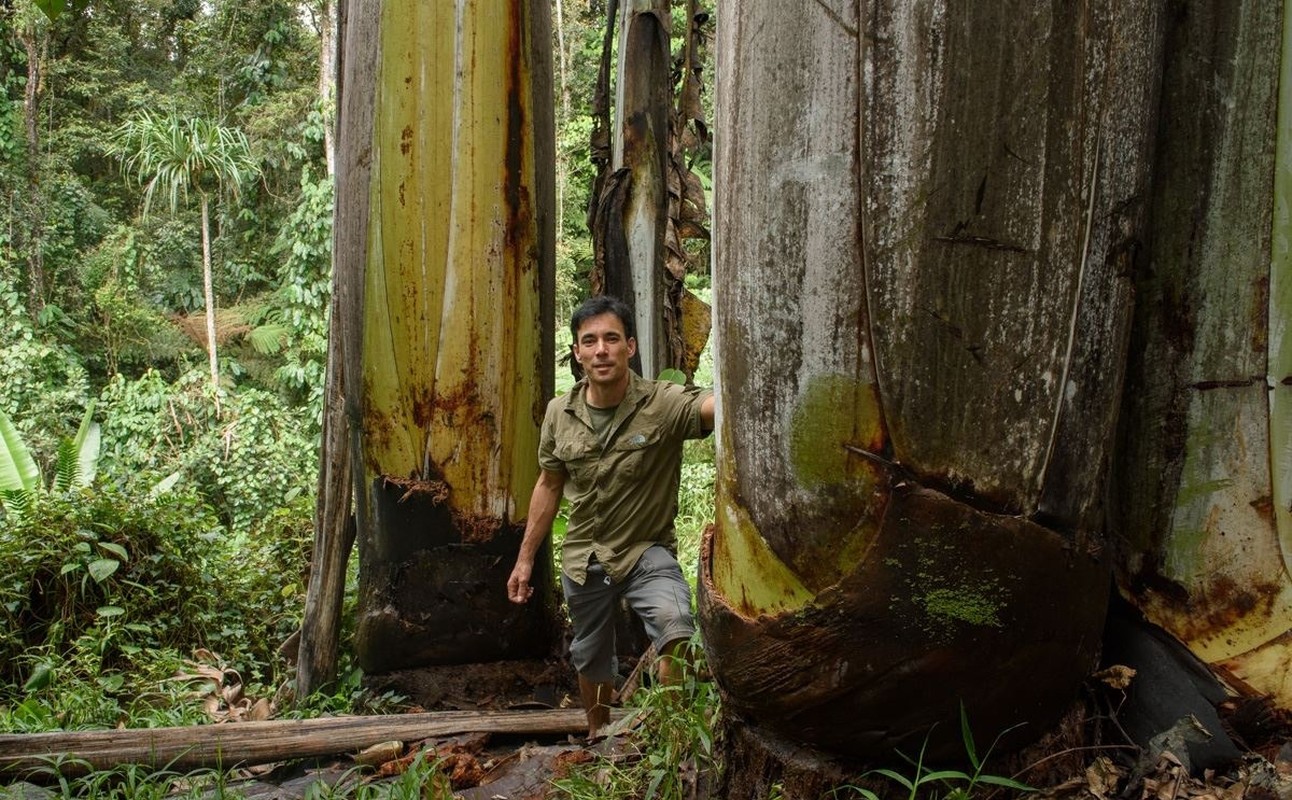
point(112, 683)
point(18, 470)
point(115, 549)
point(101, 568)
point(70, 566)
point(86, 447)
point(675, 375)
point(165, 484)
point(40, 678)
point(110, 611)
point(52, 8)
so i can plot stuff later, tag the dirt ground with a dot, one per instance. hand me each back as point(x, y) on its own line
point(1088, 757)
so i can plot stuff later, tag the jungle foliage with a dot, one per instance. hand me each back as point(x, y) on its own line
point(190, 542)
point(191, 535)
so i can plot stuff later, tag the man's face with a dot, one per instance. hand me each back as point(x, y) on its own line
point(603, 350)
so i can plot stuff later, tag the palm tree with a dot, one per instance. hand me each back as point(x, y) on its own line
point(177, 154)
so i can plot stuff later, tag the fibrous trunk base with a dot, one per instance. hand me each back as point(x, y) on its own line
point(433, 587)
point(757, 763)
point(950, 607)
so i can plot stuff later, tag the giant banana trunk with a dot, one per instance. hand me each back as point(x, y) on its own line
point(638, 196)
point(925, 220)
point(1205, 478)
point(445, 195)
point(646, 200)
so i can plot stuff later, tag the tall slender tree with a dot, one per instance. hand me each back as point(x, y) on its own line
point(177, 155)
point(32, 30)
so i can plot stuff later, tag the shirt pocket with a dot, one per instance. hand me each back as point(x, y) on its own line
point(578, 456)
point(634, 453)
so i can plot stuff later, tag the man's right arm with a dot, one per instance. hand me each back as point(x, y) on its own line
point(543, 503)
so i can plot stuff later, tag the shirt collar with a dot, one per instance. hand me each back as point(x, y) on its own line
point(576, 401)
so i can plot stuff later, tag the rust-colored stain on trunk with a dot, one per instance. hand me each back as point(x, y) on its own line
point(515, 191)
point(1208, 612)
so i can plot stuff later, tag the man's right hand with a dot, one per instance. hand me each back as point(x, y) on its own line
point(542, 510)
point(518, 588)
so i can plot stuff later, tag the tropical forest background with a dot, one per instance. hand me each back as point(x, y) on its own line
point(140, 142)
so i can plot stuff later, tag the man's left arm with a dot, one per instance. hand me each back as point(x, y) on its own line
point(706, 413)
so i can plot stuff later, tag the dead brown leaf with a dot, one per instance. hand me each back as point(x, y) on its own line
point(1118, 676)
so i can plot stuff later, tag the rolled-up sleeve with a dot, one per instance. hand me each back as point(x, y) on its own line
point(547, 459)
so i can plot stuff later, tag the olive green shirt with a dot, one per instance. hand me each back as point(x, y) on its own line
point(623, 495)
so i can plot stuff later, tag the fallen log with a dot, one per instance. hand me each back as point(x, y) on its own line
point(245, 743)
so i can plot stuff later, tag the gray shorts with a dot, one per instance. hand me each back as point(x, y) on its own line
point(654, 589)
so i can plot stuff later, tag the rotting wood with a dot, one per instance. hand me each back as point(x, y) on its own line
point(247, 743)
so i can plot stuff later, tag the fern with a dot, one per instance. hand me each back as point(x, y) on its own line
point(67, 467)
point(269, 338)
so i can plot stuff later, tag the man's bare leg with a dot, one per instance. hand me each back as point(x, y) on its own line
point(596, 701)
point(674, 661)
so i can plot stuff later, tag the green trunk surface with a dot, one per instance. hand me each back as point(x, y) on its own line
point(453, 310)
point(1202, 485)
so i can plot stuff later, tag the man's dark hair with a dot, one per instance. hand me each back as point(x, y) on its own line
point(602, 304)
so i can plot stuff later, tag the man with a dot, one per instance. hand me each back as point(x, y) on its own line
point(613, 445)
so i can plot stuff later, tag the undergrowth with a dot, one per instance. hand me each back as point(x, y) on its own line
point(668, 754)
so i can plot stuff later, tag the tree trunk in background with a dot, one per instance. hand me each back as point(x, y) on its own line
point(563, 85)
point(208, 293)
point(630, 210)
point(334, 526)
point(1204, 488)
point(926, 216)
point(34, 40)
point(445, 249)
point(634, 237)
point(328, 36)
point(645, 198)
point(687, 318)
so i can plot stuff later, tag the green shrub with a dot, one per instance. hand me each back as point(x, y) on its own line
point(105, 593)
point(43, 387)
point(254, 456)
